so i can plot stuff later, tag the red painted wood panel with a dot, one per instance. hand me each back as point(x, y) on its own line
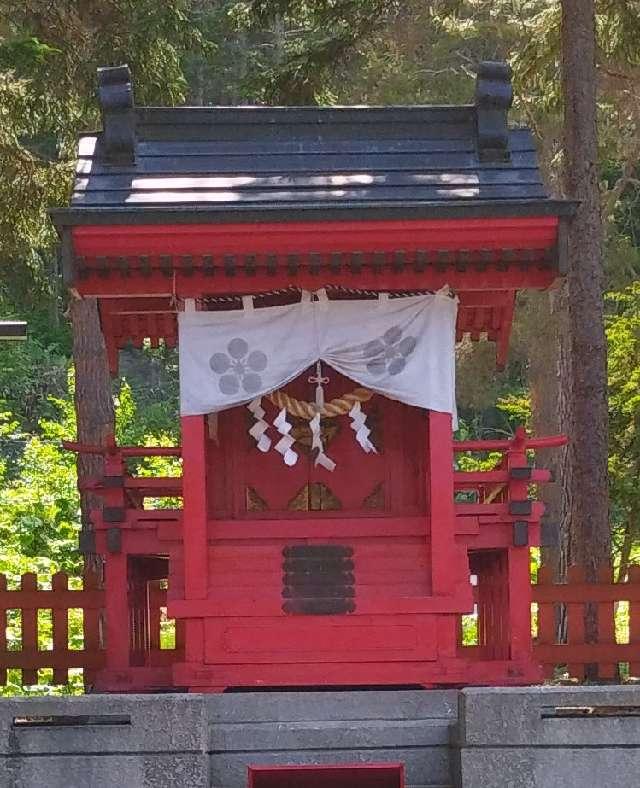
point(395, 474)
point(319, 639)
point(451, 672)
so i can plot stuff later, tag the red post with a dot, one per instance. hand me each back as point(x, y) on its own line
point(441, 503)
point(91, 625)
point(60, 621)
point(575, 622)
point(194, 486)
point(634, 621)
point(29, 627)
point(3, 631)
point(546, 619)
point(518, 564)
point(606, 623)
point(117, 611)
point(519, 603)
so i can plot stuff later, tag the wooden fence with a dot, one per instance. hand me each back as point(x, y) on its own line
point(560, 643)
point(70, 634)
point(30, 644)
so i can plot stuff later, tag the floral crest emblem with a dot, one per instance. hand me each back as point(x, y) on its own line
point(238, 368)
point(389, 353)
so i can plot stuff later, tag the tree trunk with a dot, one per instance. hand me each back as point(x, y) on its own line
point(547, 328)
point(585, 368)
point(94, 403)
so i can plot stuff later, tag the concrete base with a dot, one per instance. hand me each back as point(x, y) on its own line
point(548, 737)
point(211, 740)
point(534, 737)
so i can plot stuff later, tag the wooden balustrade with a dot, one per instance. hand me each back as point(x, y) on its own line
point(561, 631)
point(29, 644)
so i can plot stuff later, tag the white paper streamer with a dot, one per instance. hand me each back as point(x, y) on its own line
point(286, 441)
point(259, 429)
point(359, 426)
point(316, 443)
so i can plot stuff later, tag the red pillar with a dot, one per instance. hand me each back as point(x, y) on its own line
point(444, 571)
point(117, 611)
point(519, 578)
point(194, 516)
point(519, 603)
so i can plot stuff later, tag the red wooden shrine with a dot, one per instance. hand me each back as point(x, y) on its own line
point(296, 576)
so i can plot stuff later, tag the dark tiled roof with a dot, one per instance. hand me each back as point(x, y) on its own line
point(261, 163)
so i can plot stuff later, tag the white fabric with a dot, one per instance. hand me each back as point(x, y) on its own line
point(402, 348)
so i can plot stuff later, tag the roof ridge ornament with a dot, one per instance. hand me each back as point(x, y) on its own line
point(115, 96)
point(493, 98)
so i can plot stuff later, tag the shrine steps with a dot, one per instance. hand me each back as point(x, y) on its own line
point(350, 727)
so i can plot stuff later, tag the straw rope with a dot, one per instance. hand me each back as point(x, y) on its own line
point(307, 410)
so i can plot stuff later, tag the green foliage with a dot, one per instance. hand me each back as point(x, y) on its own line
point(30, 373)
point(623, 338)
point(49, 53)
point(39, 502)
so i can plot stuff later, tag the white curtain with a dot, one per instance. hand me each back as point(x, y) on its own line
point(401, 347)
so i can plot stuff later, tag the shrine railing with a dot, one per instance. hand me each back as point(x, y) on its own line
point(510, 477)
point(118, 486)
point(62, 629)
point(507, 481)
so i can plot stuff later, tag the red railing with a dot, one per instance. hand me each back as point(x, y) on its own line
point(510, 478)
point(30, 644)
point(118, 487)
point(560, 644)
point(27, 650)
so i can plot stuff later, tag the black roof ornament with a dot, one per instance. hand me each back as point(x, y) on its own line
point(115, 96)
point(494, 96)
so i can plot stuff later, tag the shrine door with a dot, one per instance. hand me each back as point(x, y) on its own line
point(319, 556)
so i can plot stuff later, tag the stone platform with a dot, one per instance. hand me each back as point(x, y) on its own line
point(535, 737)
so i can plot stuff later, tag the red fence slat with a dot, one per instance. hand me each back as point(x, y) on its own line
point(606, 624)
point(29, 627)
point(3, 630)
point(60, 621)
point(634, 620)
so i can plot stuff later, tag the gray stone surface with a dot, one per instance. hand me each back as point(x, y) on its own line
point(105, 771)
point(210, 740)
point(514, 716)
point(332, 727)
point(357, 705)
point(506, 738)
point(546, 767)
point(324, 734)
point(159, 723)
point(426, 766)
